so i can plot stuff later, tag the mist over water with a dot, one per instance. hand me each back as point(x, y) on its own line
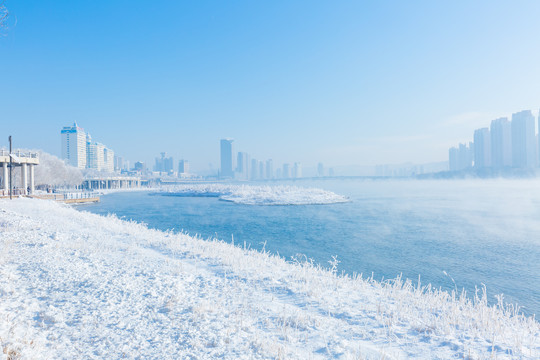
point(454, 234)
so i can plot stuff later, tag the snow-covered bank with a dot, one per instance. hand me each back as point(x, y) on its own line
point(258, 195)
point(77, 285)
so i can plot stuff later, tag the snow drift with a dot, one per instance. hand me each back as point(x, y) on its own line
point(75, 285)
point(258, 195)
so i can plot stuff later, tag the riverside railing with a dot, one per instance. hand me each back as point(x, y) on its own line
point(18, 153)
point(80, 195)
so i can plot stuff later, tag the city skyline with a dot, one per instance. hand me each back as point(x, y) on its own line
point(504, 145)
point(80, 151)
point(323, 89)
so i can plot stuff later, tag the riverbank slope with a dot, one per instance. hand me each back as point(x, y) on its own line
point(79, 285)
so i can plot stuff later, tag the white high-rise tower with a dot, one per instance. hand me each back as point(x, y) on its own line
point(74, 146)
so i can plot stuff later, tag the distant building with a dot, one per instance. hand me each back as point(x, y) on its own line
point(538, 141)
point(482, 148)
point(108, 160)
point(80, 151)
point(523, 140)
point(297, 170)
point(74, 146)
point(461, 157)
point(286, 173)
point(320, 170)
point(226, 153)
point(453, 159)
point(501, 143)
point(242, 165)
point(254, 173)
point(261, 170)
point(164, 164)
point(140, 167)
point(95, 154)
point(118, 163)
point(269, 169)
point(183, 167)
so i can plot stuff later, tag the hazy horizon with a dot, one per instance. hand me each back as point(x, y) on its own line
point(342, 83)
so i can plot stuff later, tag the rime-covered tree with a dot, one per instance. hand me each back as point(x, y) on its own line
point(53, 171)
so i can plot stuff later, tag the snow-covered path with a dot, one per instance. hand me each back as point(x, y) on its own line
point(77, 285)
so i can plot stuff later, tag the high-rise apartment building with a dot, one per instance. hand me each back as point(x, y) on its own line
point(118, 163)
point(108, 160)
point(74, 146)
point(482, 148)
point(453, 159)
point(320, 170)
point(261, 170)
point(523, 140)
point(269, 169)
point(80, 151)
point(183, 167)
point(297, 170)
point(538, 140)
point(254, 172)
point(227, 164)
point(242, 165)
point(95, 155)
point(140, 167)
point(286, 172)
point(501, 143)
point(164, 164)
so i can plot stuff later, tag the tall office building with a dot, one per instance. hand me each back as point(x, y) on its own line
point(501, 143)
point(482, 148)
point(74, 146)
point(523, 140)
point(227, 165)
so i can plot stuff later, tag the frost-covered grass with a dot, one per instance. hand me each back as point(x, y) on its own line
point(259, 195)
point(79, 285)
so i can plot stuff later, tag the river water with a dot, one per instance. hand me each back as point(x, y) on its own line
point(453, 234)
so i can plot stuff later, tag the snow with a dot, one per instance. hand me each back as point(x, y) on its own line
point(258, 195)
point(75, 285)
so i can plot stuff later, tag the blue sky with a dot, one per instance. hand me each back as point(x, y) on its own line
point(342, 82)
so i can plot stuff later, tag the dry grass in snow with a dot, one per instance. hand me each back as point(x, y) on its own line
point(75, 285)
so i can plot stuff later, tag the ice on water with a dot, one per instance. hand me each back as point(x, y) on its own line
point(259, 195)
